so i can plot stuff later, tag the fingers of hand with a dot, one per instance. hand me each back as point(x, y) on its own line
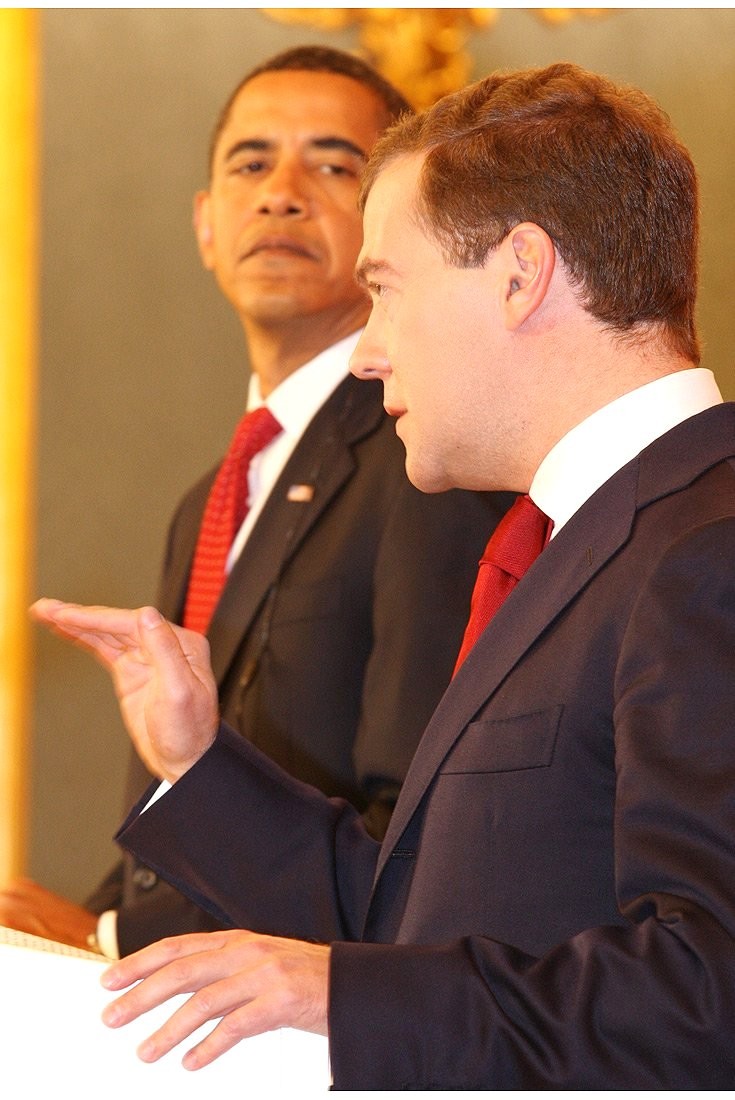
point(248, 983)
point(201, 964)
point(223, 1003)
point(149, 960)
point(242, 1021)
point(18, 908)
point(180, 964)
point(260, 997)
point(182, 713)
point(106, 632)
point(143, 636)
point(174, 652)
point(183, 655)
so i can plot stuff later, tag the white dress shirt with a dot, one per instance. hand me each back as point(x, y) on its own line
point(294, 404)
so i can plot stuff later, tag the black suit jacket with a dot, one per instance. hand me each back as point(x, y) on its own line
point(553, 905)
point(337, 630)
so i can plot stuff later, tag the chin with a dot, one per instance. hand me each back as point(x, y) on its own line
point(425, 480)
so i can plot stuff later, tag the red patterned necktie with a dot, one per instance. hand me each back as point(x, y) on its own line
point(225, 510)
point(516, 542)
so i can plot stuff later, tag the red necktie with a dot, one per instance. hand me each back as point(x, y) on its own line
point(225, 510)
point(515, 544)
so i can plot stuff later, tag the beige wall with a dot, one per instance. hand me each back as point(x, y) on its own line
point(142, 366)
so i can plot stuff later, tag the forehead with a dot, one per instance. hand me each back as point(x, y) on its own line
point(391, 228)
point(299, 106)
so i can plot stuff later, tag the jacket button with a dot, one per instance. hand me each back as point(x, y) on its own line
point(144, 878)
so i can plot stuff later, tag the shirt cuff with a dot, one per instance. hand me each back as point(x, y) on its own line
point(107, 934)
point(161, 789)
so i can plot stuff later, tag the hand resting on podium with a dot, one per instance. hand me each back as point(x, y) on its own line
point(29, 907)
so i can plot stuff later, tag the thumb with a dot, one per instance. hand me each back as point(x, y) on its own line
point(185, 697)
point(162, 647)
point(150, 617)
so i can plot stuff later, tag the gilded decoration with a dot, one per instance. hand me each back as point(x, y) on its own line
point(423, 51)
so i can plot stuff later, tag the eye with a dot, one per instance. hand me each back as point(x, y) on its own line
point(248, 168)
point(336, 170)
point(247, 162)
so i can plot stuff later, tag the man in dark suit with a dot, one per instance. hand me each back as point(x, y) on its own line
point(553, 904)
point(319, 641)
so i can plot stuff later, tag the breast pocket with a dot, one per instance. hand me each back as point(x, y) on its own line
point(507, 744)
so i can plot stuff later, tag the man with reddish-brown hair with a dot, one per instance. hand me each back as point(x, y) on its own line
point(552, 906)
point(318, 639)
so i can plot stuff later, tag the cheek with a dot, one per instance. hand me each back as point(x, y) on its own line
point(418, 341)
point(227, 226)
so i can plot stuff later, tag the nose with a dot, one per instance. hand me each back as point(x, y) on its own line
point(282, 192)
point(369, 359)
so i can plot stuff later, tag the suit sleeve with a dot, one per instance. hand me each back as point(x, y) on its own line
point(256, 848)
point(649, 1003)
point(110, 892)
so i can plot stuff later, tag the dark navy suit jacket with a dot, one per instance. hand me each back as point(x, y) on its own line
point(338, 628)
point(553, 905)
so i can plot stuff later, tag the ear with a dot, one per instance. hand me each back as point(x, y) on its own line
point(203, 228)
point(530, 261)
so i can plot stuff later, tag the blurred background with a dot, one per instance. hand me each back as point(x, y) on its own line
point(140, 369)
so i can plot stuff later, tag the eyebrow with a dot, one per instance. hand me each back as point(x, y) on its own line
point(368, 270)
point(328, 144)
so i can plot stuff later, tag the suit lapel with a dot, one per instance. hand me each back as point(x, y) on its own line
point(323, 459)
point(570, 561)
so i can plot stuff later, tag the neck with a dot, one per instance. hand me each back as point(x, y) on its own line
point(609, 385)
point(277, 350)
point(570, 380)
point(569, 365)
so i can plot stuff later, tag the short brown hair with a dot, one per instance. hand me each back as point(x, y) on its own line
point(596, 165)
point(320, 59)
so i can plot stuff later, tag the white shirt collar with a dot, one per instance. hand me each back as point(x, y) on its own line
point(587, 456)
point(295, 401)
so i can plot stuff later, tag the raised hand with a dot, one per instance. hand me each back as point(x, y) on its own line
point(162, 677)
point(249, 983)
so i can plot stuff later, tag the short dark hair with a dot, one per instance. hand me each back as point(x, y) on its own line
point(595, 164)
point(320, 59)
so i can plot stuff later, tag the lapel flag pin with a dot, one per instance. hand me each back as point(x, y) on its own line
point(301, 494)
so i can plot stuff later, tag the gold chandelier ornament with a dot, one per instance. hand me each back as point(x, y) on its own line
point(423, 51)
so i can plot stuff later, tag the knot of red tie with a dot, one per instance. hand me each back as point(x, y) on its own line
point(226, 508)
point(514, 545)
point(518, 539)
point(254, 432)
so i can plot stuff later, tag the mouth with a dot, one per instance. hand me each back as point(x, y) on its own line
point(278, 245)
